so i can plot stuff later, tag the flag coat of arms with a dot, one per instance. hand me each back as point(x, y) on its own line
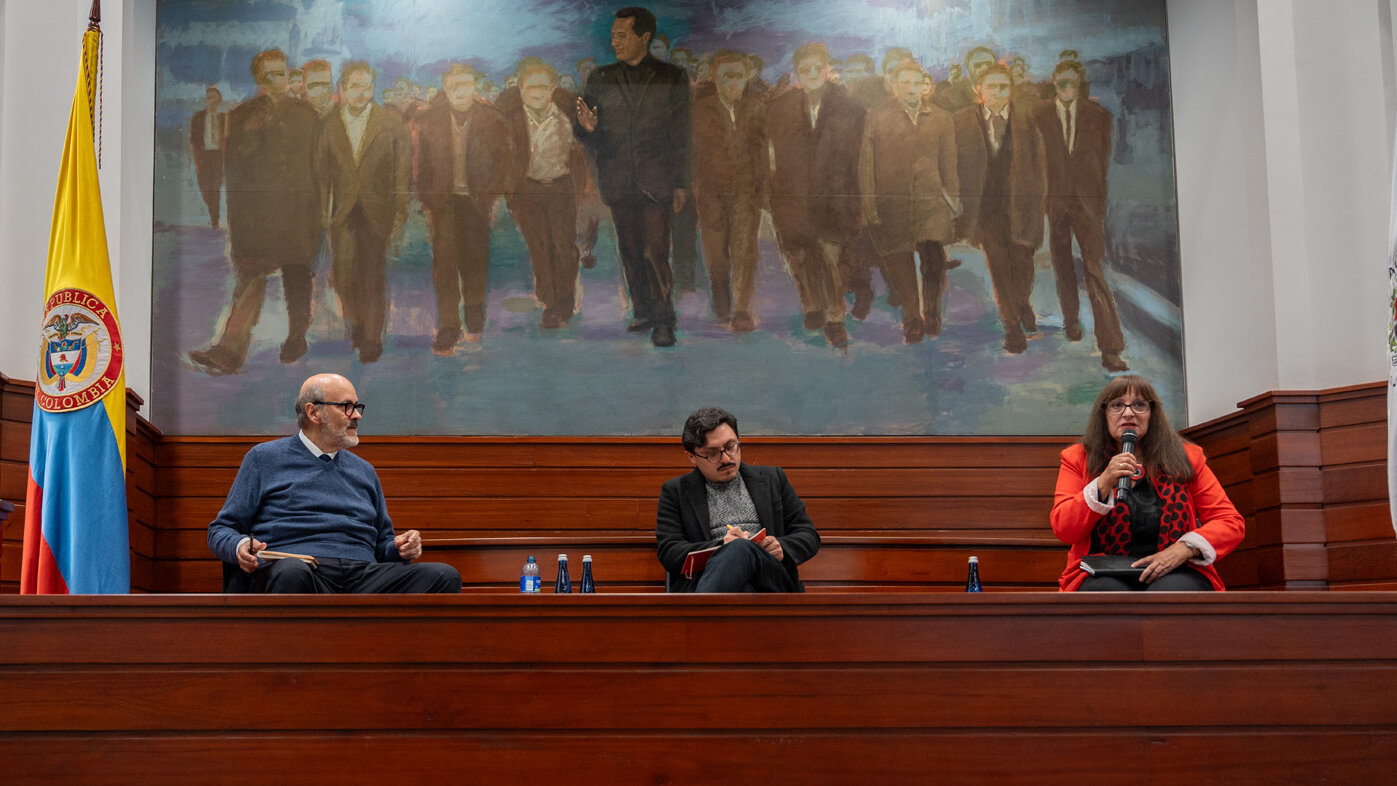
point(75, 526)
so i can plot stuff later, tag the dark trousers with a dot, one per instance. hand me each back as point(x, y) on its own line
point(359, 274)
point(743, 566)
point(730, 224)
point(814, 266)
point(642, 236)
point(901, 272)
point(1181, 579)
point(460, 229)
point(1011, 273)
point(353, 576)
point(685, 237)
point(249, 291)
point(547, 217)
point(208, 170)
point(1066, 219)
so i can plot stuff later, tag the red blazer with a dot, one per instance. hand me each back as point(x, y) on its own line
point(1073, 521)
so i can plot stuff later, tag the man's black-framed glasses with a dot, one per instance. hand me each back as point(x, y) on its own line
point(729, 449)
point(349, 407)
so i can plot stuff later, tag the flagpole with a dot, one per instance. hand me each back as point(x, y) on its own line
point(94, 17)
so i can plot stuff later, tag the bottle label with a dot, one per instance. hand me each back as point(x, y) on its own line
point(529, 584)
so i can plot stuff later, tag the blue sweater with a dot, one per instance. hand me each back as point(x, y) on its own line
point(293, 501)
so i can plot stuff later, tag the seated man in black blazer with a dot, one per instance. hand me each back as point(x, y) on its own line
point(725, 503)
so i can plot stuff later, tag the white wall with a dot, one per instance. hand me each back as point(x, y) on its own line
point(40, 46)
point(1281, 109)
point(1283, 160)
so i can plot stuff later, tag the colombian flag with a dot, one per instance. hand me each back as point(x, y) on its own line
point(75, 533)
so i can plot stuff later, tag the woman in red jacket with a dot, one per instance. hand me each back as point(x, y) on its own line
point(1177, 520)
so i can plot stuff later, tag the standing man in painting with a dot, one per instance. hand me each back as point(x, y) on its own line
point(962, 93)
point(272, 214)
point(633, 117)
point(1077, 141)
point(730, 169)
point(815, 134)
point(320, 88)
point(208, 130)
point(547, 167)
point(462, 160)
point(999, 153)
point(362, 163)
point(910, 188)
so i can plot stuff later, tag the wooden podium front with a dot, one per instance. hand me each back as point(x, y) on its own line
point(830, 688)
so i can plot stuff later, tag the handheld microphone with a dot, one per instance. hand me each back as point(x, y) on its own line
point(1124, 485)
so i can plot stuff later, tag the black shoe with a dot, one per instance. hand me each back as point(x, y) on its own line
point(1111, 361)
point(639, 325)
point(589, 261)
point(1015, 343)
point(293, 348)
point(215, 360)
point(446, 340)
point(370, 351)
point(813, 320)
point(742, 322)
point(1028, 319)
point(912, 331)
point(931, 326)
point(662, 336)
point(1073, 331)
point(863, 303)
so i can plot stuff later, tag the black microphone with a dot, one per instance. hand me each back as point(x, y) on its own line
point(1124, 485)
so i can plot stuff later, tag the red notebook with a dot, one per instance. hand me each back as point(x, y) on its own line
point(694, 563)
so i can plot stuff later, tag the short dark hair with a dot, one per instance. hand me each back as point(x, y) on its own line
point(809, 50)
point(262, 57)
point(865, 59)
point(642, 21)
point(894, 56)
point(704, 420)
point(975, 51)
point(353, 67)
point(995, 68)
point(727, 56)
point(1070, 65)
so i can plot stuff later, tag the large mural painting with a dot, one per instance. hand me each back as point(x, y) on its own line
point(538, 217)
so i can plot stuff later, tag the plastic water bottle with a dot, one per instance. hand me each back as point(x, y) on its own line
point(972, 582)
point(587, 585)
point(563, 585)
point(529, 580)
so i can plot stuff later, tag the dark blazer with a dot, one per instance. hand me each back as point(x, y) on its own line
point(378, 183)
point(682, 523)
point(489, 154)
point(815, 185)
point(729, 159)
point(1028, 178)
point(272, 204)
point(641, 145)
point(196, 132)
point(1081, 175)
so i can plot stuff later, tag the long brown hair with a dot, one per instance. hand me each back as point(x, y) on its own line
point(1161, 450)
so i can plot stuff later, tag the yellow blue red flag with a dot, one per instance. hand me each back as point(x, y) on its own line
point(75, 531)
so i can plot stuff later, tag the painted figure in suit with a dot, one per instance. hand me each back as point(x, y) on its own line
point(363, 160)
point(730, 174)
point(549, 171)
point(815, 134)
point(959, 94)
point(633, 118)
point(723, 503)
point(1077, 141)
point(320, 87)
point(1003, 178)
point(208, 134)
point(272, 214)
point(911, 193)
point(462, 163)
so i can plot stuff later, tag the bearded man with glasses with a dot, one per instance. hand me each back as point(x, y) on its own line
point(307, 494)
point(749, 513)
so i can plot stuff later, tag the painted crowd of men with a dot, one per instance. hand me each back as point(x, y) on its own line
point(859, 171)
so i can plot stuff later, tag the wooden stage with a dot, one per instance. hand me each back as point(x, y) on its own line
point(832, 688)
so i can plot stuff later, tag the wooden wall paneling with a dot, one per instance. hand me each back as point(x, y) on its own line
point(840, 688)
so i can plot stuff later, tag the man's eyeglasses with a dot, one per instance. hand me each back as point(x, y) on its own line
point(349, 407)
point(713, 455)
point(1138, 407)
point(1067, 84)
